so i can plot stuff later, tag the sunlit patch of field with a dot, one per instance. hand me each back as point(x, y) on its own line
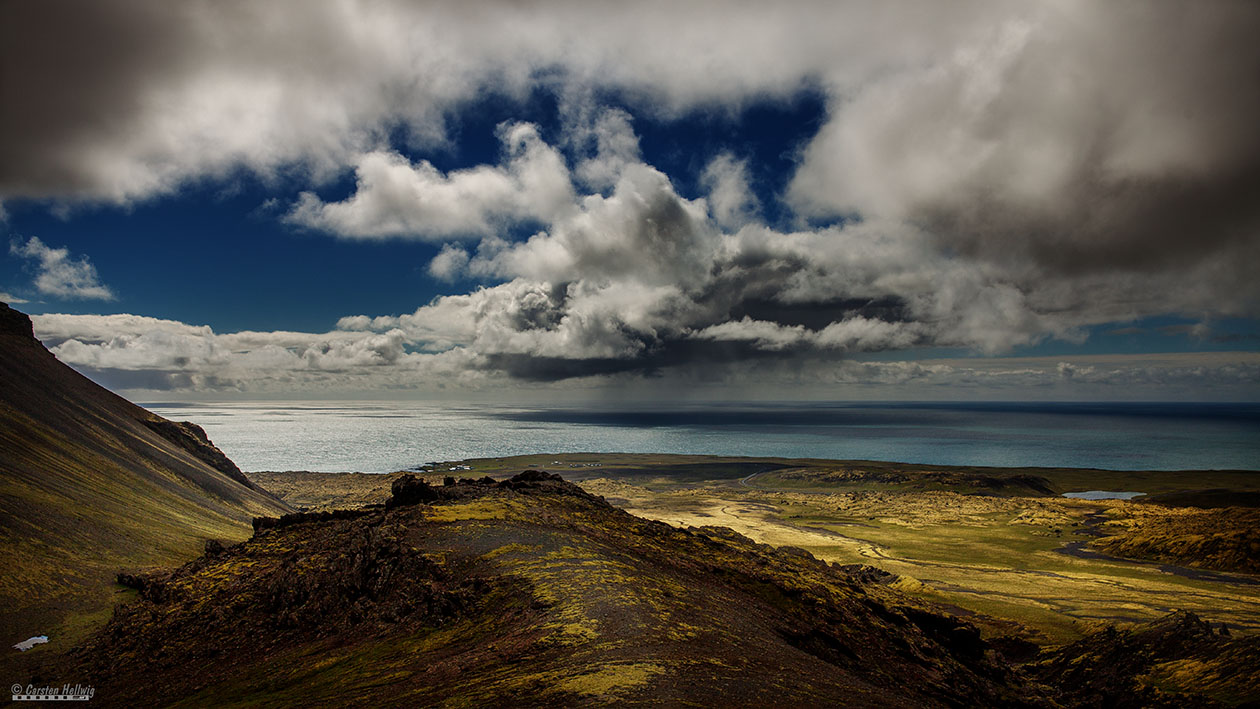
point(994, 555)
point(991, 555)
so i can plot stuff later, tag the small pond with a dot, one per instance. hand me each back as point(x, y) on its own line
point(1102, 495)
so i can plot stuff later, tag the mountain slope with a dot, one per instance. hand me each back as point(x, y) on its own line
point(526, 592)
point(89, 483)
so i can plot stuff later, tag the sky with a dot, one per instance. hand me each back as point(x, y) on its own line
point(661, 200)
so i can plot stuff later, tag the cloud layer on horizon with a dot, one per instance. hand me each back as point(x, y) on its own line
point(988, 174)
point(147, 354)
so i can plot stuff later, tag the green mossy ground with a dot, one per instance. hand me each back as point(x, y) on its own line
point(577, 604)
point(529, 596)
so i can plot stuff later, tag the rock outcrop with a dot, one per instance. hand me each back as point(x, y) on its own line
point(1176, 661)
point(529, 592)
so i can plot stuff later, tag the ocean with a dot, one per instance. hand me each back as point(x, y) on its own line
point(384, 437)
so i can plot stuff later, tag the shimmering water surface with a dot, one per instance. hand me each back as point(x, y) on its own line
point(1103, 495)
point(382, 437)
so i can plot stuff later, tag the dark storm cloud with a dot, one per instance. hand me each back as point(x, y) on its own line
point(1084, 138)
point(74, 76)
point(658, 358)
point(1133, 224)
point(817, 316)
point(1007, 172)
point(123, 99)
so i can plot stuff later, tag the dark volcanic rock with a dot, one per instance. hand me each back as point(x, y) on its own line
point(534, 476)
point(530, 592)
point(346, 578)
point(1120, 667)
point(410, 490)
point(866, 574)
point(1221, 539)
point(152, 586)
point(261, 523)
point(531, 479)
point(14, 322)
point(962, 638)
point(527, 593)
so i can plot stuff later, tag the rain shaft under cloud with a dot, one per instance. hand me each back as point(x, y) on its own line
point(985, 176)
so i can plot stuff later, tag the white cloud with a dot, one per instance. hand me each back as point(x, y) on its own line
point(639, 278)
point(1007, 172)
point(59, 275)
point(10, 298)
point(854, 334)
point(167, 354)
point(58, 327)
point(175, 355)
point(615, 145)
point(178, 91)
point(449, 264)
point(861, 334)
point(765, 335)
point(394, 198)
point(183, 90)
point(731, 200)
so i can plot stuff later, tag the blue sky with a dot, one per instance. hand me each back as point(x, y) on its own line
point(825, 201)
point(218, 253)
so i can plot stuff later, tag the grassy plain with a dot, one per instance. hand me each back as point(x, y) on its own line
point(951, 535)
point(992, 556)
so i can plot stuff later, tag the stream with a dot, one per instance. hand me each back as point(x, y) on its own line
point(1091, 527)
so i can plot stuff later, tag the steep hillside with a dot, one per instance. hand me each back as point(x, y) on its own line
point(526, 592)
point(1224, 539)
point(90, 483)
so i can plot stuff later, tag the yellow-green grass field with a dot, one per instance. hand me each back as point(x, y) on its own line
point(991, 554)
point(995, 556)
